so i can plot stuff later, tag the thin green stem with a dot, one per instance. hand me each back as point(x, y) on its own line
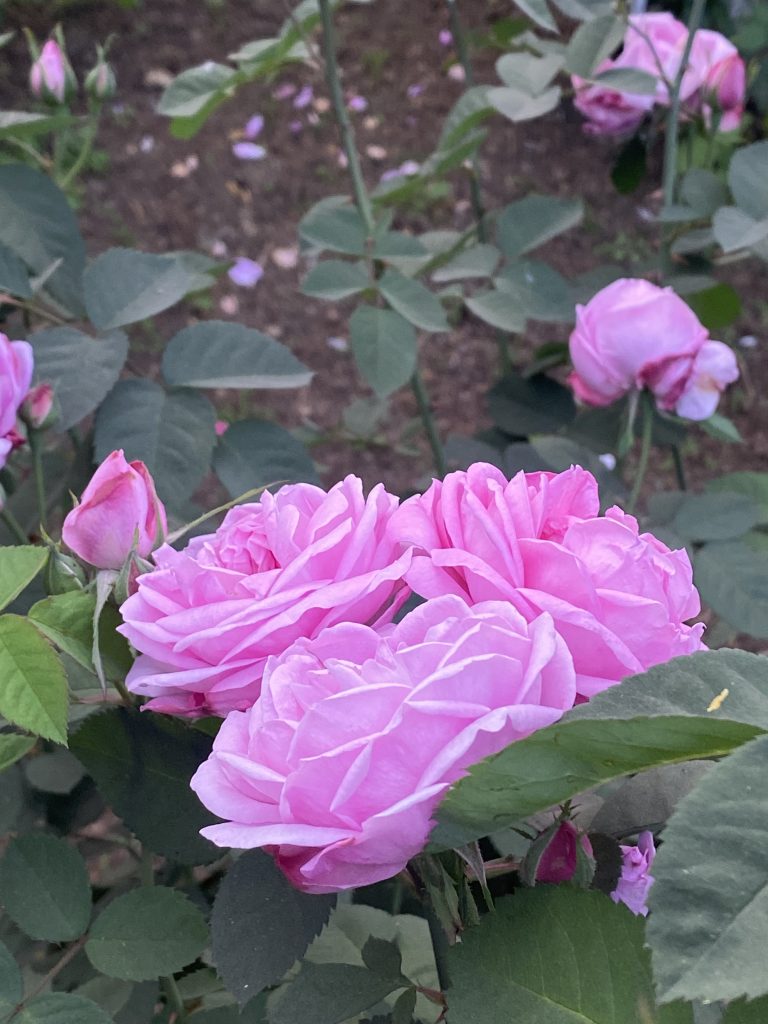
point(57, 968)
point(440, 947)
point(85, 150)
point(345, 124)
point(422, 400)
point(677, 458)
point(173, 997)
point(645, 451)
point(14, 526)
point(37, 464)
point(669, 180)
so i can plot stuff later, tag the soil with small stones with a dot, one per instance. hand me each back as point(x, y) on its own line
point(158, 193)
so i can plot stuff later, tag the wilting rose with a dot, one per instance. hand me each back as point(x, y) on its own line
point(119, 512)
point(633, 335)
point(619, 598)
point(285, 567)
point(636, 880)
point(16, 367)
point(338, 767)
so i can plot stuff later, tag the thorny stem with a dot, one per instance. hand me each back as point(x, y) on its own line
point(363, 201)
point(440, 947)
point(645, 451)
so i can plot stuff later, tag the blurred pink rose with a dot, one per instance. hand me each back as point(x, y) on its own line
point(285, 567)
point(119, 511)
point(619, 598)
point(559, 860)
point(37, 407)
point(635, 881)
point(16, 366)
point(48, 76)
point(607, 111)
point(633, 335)
point(338, 767)
point(716, 79)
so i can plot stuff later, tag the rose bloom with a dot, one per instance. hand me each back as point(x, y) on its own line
point(619, 598)
point(636, 881)
point(16, 366)
point(338, 767)
point(633, 335)
point(119, 512)
point(285, 567)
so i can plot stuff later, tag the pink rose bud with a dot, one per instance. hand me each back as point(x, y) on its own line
point(558, 862)
point(634, 335)
point(37, 410)
point(100, 82)
point(635, 880)
point(51, 77)
point(16, 366)
point(119, 512)
point(715, 82)
point(221, 427)
point(338, 768)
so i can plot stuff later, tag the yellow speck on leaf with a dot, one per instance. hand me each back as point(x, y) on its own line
point(717, 702)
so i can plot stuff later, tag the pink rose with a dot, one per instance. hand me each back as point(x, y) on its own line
point(716, 78)
point(633, 335)
point(37, 408)
point(607, 111)
point(48, 76)
point(285, 567)
point(559, 861)
point(338, 767)
point(16, 366)
point(619, 598)
point(119, 511)
point(635, 881)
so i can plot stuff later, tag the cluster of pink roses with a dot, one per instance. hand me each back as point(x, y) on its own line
point(633, 335)
point(342, 729)
point(713, 85)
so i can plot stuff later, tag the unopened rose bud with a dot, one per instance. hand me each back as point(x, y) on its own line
point(51, 78)
point(100, 82)
point(38, 408)
point(561, 857)
point(62, 574)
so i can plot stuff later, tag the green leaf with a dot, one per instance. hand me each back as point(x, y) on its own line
point(733, 580)
point(703, 191)
point(13, 747)
point(499, 309)
point(55, 772)
point(735, 229)
point(748, 179)
point(592, 42)
point(191, 91)
point(218, 354)
point(527, 72)
point(741, 1012)
point(539, 405)
point(477, 261)
point(649, 720)
point(391, 245)
point(542, 292)
point(631, 80)
point(384, 345)
point(142, 764)
point(254, 453)
point(470, 110)
point(538, 12)
point(520, 106)
point(20, 124)
point(37, 223)
point(67, 621)
point(715, 516)
point(534, 220)
point(18, 567)
point(44, 887)
point(722, 428)
point(556, 955)
point(709, 902)
point(753, 485)
point(340, 229)
point(261, 924)
point(329, 994)
point(13, 275)
point(332, 280)
point(82, 369)
point(413, 301)
point(717, 307)
point(34, 690)
point(11, 983)
point(146, 933)
point(646, 801)
point(62, 1008)
point(123, 286)
point(172, 432)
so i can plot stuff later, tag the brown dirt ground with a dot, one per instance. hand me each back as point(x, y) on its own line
point(254, 207)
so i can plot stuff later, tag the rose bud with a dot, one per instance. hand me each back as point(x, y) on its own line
point(38, 408)
point(119, 513)
point(100, 82)
point(51, 77)
point(560, 859)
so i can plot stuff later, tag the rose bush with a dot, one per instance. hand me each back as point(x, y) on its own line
point(620, 598)
point(339, 765)
point(206, 620)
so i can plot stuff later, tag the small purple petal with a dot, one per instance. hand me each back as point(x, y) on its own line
point(304, 98)
point(294, 127)
point(409, 168)
point(253, 127)
point(357, 103)
point(245, 273)
point(248, 151)
point(445, 37)
point(284, 91)
point(390, 175)
point(415, 90)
